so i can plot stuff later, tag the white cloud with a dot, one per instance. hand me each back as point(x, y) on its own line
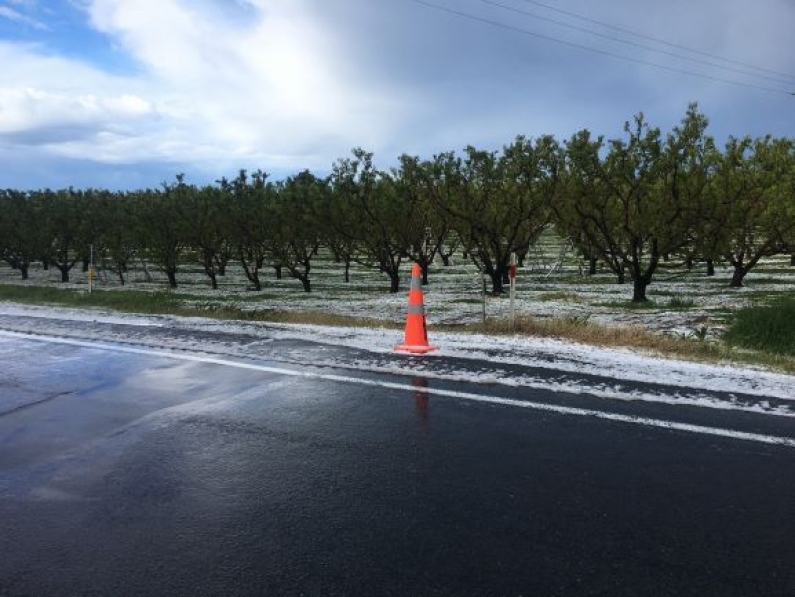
point(9, 13)
point(268, 87)
point(288, 84)
point(27, 109)
point(210, 90)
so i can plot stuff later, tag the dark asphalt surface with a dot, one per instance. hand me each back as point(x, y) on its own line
point(131, 475)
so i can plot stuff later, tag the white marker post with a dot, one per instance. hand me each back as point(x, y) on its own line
point(512, 278)
point(483, 278)
point(90, 268)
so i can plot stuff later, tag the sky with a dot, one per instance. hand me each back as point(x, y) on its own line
point(125, 94)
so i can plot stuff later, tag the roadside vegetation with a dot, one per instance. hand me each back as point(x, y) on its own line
point(766, 327)
point(648, 240)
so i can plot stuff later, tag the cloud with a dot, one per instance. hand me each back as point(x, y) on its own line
point(217, 85)
point(266, 87)
point(29, 109)
point(11, 14)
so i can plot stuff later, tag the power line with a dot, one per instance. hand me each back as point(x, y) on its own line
point(635, 44)
point(473, 17)
point(656, 39)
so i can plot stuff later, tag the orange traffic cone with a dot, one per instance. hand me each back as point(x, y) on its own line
point(416, 339)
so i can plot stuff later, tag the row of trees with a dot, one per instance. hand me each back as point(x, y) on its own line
point(627, 203)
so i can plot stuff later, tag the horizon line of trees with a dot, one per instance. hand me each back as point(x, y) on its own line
point(627, 203)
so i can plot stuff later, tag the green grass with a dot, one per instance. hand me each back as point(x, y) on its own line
point(173, 303)
point(558, 296)
point(675, 303)
point(770, 328)
point(678, 303)
point(131, 301)
point(629, 305)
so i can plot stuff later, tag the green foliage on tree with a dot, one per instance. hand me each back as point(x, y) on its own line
point(248, 221)
point(375, 202)
point(631, 200)
point(627, 203)
point(294, 213)
point(22, 238)
point(498, 203)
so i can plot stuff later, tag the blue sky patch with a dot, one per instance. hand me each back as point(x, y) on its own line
point(62, 28)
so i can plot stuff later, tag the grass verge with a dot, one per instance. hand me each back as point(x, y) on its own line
point(174, 303)
point(765, 327)
point(580, 329)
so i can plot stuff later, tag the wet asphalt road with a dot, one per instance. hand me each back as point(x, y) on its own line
point(126, 474)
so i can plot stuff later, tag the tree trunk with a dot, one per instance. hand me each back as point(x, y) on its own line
point(172, 278)
point(347, 271)
point(394, 281)
point(497, 287)
point(252, 271)
point(253, 277)
point(220, 264)
point(302, 275)
point(64, 269)
point(424, 267)
point(710, 267)
point(592, 266)
point(208, 261)
point(120, 273)
point(445, 259)
point(23, 269)
point(278, 269)
point(639, 289)
point(621, 275)
point(738, 276)
point(792, 259)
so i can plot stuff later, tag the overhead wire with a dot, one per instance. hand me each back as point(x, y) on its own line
point(636, 44)
point(656, 39)
point(499, 24)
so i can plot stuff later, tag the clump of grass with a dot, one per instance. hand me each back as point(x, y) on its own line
point(765, 327)
point(578, 320)
point(632, 306)
point(559, 296)
point(678, 303)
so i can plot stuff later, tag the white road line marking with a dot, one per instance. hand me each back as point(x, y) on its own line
point(554, 408)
